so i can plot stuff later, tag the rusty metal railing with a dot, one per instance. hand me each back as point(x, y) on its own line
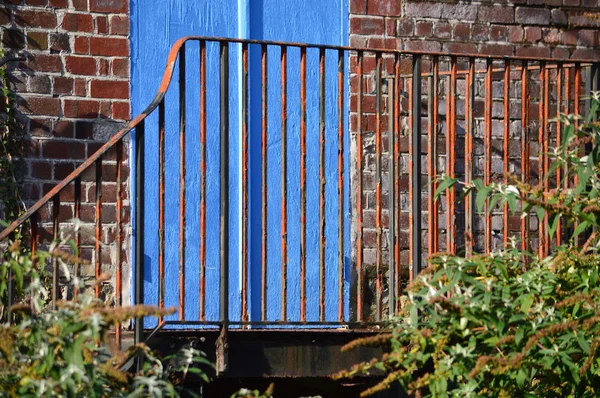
point(401, 117)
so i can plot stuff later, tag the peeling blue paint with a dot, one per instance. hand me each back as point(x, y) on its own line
point(155, 27)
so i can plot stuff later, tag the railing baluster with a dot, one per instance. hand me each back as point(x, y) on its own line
point(487, 144)
point(410, 176)
point(161, 207)
point(359, 188)
point(322, 184)
point(264, 176)
point(559, 101)
point(341, 234)
point(392, 200)
point(470, 124)
point(224, 184)
point(55, 237)
point(98, 216)
point(524, 150)
point(451, 158)
point(434, 148)
point(139, 230)
point(284, 243)
point(378, 188)
point(416, 165)
point(546, 141)
point(119, 233)
point(77, 215)
point(202, 287)
point(244, 309)
point(506, 144)
point(182, 173)
point(541, 155)
point(396, 161)
point(303, 184)
point(33, 221)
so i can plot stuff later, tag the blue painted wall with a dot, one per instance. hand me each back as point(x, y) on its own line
point(155, 27)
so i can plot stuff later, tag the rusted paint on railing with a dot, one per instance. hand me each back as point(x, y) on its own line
point(378, 193)
point(245, 159)
point(322, 185)
point(359, 189)
point(469, 128)
point(303, 184)
point(264, 188)
point(98, 243)
point(487, 162)
point(506, 143)
point(182, 173)
point(284, 242)
point(341, 217)
point(202, 276)
point(524, 150)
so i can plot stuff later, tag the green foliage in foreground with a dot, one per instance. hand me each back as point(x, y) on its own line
point(67, 352)
point(511, 323)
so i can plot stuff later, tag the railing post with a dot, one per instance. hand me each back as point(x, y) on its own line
point(392, 201)
point(416, 164)
point(139, 232)
point(221, 344)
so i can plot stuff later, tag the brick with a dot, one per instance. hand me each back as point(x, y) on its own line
point(388, 8)
point(42, 106)
point(103, 67)
point(582, 20)
point(110, 47)
point(63, 85)
point(480, 32)
point(84, 130)
point(36, 3)
point(80, 5)
point(45, 63)
point(442, 30)
point(560, 53)
point(121, 111)
point(496, 14)
point(423, 45)
point(4, 16)
point(101, 25)
point(37, 40)
point(59, 3)
point(120, 67)
point(40, 171)
point(358, 7)
point(60, 42)
point(551, 36)
point(80, 65)
point(498, 33)
point(39, 127)
point(81, 108)
point(532, 16)
point(405, 27)
point(63, 129)
point(424, 9)
point(13, 38)
point(39, 84)
point(569, 37)
point(80, 87)
point(62, 170)
point(388, 43)
point(587, 38)
point(82, 45)
point(424, 29)
point(78, 23)
point(533, 51)
point(515, 34)
point(367, 25)
point(109, 6)
point(586, 53)
point(559, 17)
point(533, 34)
point(63, 150)
point(460, 48)
point(496, 49)
point(459, 12)
point(571, 3)
point(36, 19)
point(119, 25)
point(462, 32)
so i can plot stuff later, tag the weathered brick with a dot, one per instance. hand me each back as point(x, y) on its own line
point(496, 14)
point(119, 25)
point(586, 53)
point(110, 47)
point(103, 67)
point(537, 51)
point(58, 3)
point(60, 42)
point(480, 32)
point(121, 111)
point(405, 27)
point(63, 129)
point(460, 48)
point(63, 150)
point(62, 85)
point(37, 40)
point(358, 7)
point(35, 18)
point(101, 25)
point(424, 9)
point(367, 25)
point(587, 38)
point(40, 127)
point(423, 45)
point(533, 34)
point(109, 6)
point(82, 45)
point(80, 65)
point(36, 3)
point(496, 49)
point(532, 16)
point(498, 33)
point(80, 5)
point(81, 108)
point(424, 29)
point(5, 16)
point(42, 106)
point(462, 32)
point(569, 37)
point(81, 87)
point(45, 63)
point(388, 8)
point(559, 17)
point(459, 12)
point(120, 67)
point(78, 23)
point(62, 170)
point(582, 20)
point(13, 38)
point(39, 84)
point(551, 36)
point(40, 171)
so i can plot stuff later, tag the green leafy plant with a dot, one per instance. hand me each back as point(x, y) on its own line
point(509, 323)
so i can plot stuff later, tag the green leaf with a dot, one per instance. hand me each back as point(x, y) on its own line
point(540, 212)
point(446, 183)
point(553, 224)
point(482, 195)
point(526, 303)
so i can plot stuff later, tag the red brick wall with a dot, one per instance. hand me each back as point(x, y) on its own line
point(73, 94)
point(552, 28)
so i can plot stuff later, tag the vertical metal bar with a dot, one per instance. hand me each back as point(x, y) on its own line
point(434, 171)
point(469, 122)
point(543, 150)
point(359, 189)
point(322, 184)
point(161, 207)
point(559, 100)
point(451, 158)
point(392, 200)
point(244, 309)
point(284, 244)
point(416, 165)
point(378, 193)
point(98, 245)
point(576, 110)
point(224, 183)
point(119, 233)
point(33, 220)
point(182, 173)
point(341, 234)
point(77, 215)
point(303, 184)
point(55, 237)
point(488, 153)
point(264, 168)
point(506, 141)
point(139, 229)
point(524, 149)
point(546, 141)
point(410, 178)
point(397, 279)
point(540, 155)
point(202, 301)
point(430, 165)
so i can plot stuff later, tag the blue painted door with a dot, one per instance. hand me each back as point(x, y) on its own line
point(155, 27)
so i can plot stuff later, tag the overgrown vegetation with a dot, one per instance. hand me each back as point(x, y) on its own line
point(510, 324)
